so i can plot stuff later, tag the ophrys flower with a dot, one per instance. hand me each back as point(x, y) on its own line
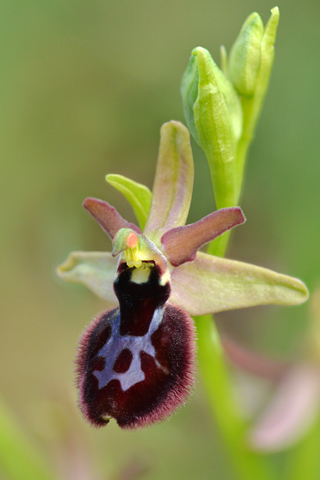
point(136, 362)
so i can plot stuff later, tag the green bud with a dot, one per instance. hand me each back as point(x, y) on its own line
point(251, 56)
point(202, 70)
point(252, 105)
point(267, 47)
point(244, 59)
point(214, 116)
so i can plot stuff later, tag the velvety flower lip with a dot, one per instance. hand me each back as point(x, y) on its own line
point(136, 361)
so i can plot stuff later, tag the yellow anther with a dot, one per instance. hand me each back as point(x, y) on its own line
point(132, 257)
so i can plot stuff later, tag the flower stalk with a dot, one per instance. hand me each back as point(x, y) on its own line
point(222, 401)
point(248, 70)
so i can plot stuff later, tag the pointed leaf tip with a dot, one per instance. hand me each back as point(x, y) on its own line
point(181, 244)
point(107, 216)
point(270, 31)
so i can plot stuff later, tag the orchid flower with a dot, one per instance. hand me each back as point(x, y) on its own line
point(136, 362)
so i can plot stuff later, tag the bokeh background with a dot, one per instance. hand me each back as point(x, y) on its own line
point(84, 88)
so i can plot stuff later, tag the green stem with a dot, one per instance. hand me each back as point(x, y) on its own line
point(251, 110)
point(248, 464)
point(218, 246)
point(242, 151)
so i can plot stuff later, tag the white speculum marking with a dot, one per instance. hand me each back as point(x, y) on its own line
point(114, 346)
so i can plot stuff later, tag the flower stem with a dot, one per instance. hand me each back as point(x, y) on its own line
point(222, 402)
point(227, 190)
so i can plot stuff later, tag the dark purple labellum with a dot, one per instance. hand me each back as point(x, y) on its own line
point(136, 362)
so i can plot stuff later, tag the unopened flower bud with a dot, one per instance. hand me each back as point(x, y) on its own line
point(244, 60)
point(214, 116)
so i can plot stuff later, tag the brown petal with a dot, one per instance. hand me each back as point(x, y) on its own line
point(181, 244)
point(107, 216)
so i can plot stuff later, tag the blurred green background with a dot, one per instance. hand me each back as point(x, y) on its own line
point(84, 88)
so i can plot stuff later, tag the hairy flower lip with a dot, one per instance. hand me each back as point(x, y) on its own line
point(168, 399)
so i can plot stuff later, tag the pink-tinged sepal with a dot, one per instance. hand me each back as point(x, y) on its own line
point(218, 284)
point(180, 244)
point(107, 216)
point(173, 183)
